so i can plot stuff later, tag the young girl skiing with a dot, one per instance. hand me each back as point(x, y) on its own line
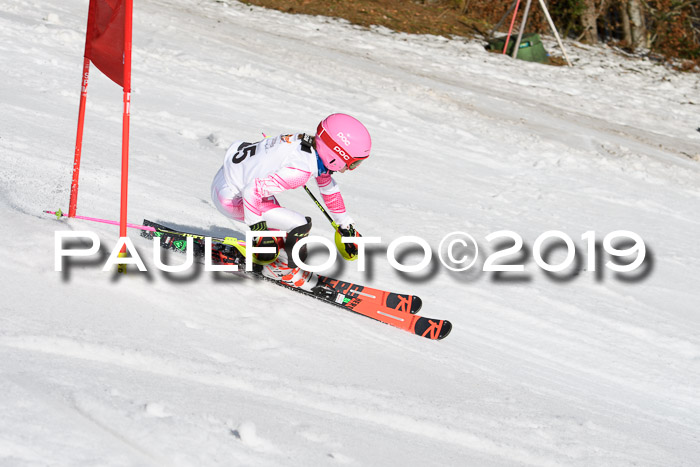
point(252, 174)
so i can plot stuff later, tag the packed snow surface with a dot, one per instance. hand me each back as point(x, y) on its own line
point(577, 367)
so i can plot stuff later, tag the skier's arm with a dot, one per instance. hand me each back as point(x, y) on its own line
point(258, 194)
point(330, 192)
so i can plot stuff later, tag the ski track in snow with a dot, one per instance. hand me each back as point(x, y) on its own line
point(211, 369)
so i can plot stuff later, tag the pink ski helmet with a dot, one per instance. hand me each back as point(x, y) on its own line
point(342, 141)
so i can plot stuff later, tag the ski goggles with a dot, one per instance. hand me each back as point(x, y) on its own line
point(354, 164)
point(350, 161)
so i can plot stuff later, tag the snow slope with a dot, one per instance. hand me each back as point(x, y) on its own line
point(586, 368)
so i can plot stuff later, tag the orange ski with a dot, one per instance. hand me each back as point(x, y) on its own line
point(394, 309)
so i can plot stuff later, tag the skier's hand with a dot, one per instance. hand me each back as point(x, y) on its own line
point(347, 250)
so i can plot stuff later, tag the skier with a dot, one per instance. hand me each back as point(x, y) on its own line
point(252, 174)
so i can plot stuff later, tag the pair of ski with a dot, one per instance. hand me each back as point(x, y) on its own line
point(398, 310)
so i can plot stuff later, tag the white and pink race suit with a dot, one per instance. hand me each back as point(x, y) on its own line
point(252, 174)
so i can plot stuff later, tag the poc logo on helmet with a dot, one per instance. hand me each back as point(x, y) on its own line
point(344, 138)
point(342, 153)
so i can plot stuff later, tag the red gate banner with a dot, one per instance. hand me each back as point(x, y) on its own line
point(104, 41)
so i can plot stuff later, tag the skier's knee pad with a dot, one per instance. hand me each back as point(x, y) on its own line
point(267, 258)
point(293, 237)
point(274, 244)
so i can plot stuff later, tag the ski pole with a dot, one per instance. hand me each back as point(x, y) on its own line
point(233, 241)
point(60, 214)
point(338, 234)
point(323, 210)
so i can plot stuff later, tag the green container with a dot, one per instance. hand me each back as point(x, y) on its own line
point(531, 48)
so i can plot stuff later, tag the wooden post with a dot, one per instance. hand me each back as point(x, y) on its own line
point(554, 30)
point(522, 28)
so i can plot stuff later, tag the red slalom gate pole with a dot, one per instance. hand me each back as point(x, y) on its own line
point(125, 165)
point(510, 30)
point(125, 127)
point(73, 205)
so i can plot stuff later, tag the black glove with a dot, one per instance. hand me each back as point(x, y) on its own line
point(350, 248)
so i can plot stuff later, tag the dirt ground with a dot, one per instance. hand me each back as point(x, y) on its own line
point(439, 17)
